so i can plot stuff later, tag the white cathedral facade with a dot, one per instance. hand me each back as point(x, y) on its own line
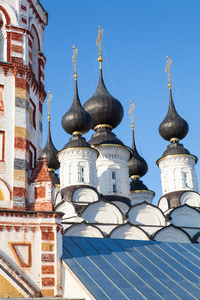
point(99, 192)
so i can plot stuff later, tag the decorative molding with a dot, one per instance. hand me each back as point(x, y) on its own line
point(172, 234)
point(128, 231)
point(84, 195)
point(185, 216)
point(190, 198)
point(18, 280)
point(146, 214)
point(83, 229)
point(164, 161)
point(22, 252)
point(102, 212)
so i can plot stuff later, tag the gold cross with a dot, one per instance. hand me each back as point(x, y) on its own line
point(167, 69)
point(99, 39)
point(49, 104)
point(74, 58)
point(132, 107)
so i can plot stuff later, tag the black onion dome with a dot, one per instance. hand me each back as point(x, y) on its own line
point(104, 136)
point(138, 185)
point(103, 107)
point(76, 119)
point(77, 141)
point(175, 148)
point(137, 165)
point(173, 126)
point(49, 152)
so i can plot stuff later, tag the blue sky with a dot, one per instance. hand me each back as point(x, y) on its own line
point(138, 35)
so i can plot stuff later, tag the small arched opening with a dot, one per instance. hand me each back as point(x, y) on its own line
point(35, 52)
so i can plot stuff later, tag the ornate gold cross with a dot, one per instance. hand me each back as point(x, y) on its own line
point(49, 104)
point(131, 110)
point(74, 58)
point(167, 69)
point(99, 39)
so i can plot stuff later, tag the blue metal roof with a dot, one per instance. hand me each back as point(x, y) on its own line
point(130, 269)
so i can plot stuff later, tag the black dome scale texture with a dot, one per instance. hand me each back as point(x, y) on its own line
point(137, 165)
point(49, 152)
point(76, 119)
point(103, 107)
point(173, 126)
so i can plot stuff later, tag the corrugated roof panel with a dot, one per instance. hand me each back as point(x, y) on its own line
point(86, 278)
point(127, 269)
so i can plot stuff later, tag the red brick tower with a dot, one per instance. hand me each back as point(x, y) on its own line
point(30, 230)
point(22, 94)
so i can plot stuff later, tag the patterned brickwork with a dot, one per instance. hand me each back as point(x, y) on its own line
point(32, 244)
point(21, 86)
point(48, 260)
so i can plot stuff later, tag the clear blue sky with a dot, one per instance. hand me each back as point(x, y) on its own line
point(138, 35)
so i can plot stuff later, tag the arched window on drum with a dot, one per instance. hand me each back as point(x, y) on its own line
point(35, 52)
point(3, 43)
point(114, 181)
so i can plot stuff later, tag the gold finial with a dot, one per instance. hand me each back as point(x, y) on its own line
point(49, 104)
point(74, 60)
point(167, 69)
point(132, 107)
point(100, 59)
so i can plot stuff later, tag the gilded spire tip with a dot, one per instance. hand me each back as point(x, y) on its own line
point(49, 104)
point(100, 59)
point(131, 110)
point(167, 69)
point(74, 61)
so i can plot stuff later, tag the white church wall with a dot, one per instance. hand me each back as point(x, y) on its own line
point(69, 211)
point(146, 214)
point(185, 216)
point(7, 122)
point(31, 243)
point(84, 195)
point(178, 173)
point(112, 170)
point(76, 167)
point(141, 196)
point(190, 198)
point(122, 206)
point(171, 234)
point(72, 287)
point(83, 229)
point(150, 230)
point(129, 231)
point(163, 204)
point(103, 213)
point(106, 229)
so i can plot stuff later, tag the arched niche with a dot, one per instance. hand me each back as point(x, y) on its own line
point(3, 36)
point(128, 231)
point(84, 196)
point(185, 216)
point(68, 209)
point(35, 52)
point(83, 229)
point(5, 195)
point(172, 234)
point(7, 17)
point(102, 212)
point(146, 214)
point(163, 204)
point(190, 198)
